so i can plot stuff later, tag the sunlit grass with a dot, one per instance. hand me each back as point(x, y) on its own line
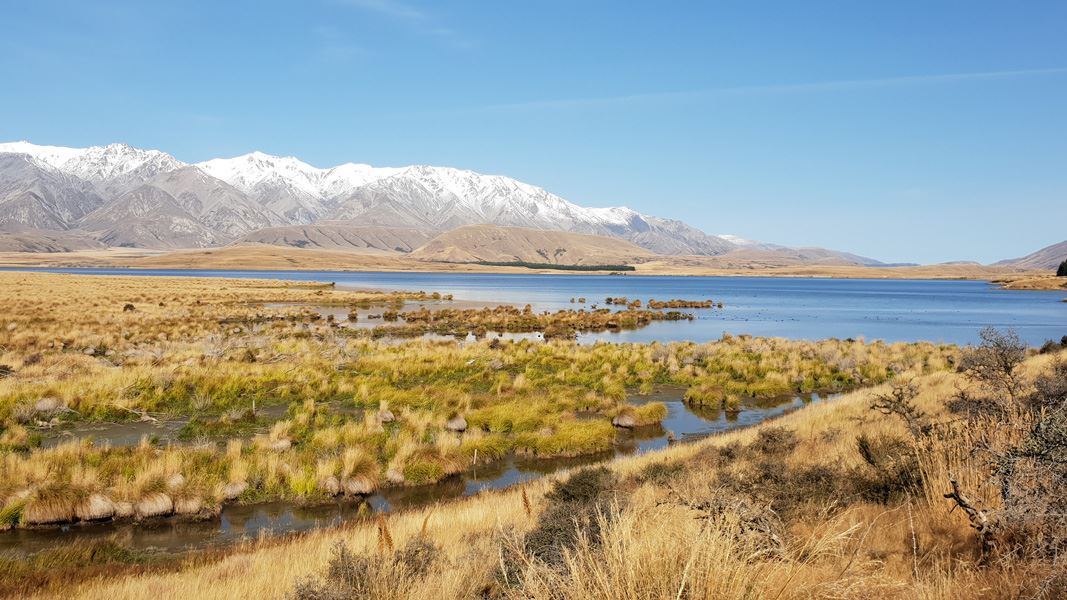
point(215, 352)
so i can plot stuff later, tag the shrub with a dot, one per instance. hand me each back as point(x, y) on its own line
point(577, 508)
point(995, 361)
point(776, 441)
point(350, 575)
point(660, 473)
point(584, 486)
point(892, 468)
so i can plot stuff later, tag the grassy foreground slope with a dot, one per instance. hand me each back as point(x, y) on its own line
point(838, 500)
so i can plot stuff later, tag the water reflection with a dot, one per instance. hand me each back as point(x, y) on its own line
point(237, 523)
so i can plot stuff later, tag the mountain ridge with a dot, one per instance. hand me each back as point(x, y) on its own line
point(1047, 258)
point(131, 197)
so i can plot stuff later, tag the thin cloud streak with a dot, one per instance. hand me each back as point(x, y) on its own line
point(418, 20)
point(822, 86)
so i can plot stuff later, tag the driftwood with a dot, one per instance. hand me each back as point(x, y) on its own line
point(142, 415)
point(980, 521)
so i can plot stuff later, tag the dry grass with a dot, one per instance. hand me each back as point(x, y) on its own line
point(667, 532)
point(255, 256)
point(84, 348)
point(801, 508)
point(1044, 281)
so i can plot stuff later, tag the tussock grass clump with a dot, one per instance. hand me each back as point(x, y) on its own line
point(651, 413)
point(568, 438)
point(678, 303)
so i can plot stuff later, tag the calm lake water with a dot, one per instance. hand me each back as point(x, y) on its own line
point(887, 309)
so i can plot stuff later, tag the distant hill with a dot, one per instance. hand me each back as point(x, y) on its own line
point(490, 243)
point(39, 240)
point(370, 240)
point(1047, 258)
point(763, 256)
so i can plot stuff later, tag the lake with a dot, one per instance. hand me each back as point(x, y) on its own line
point(803, 308)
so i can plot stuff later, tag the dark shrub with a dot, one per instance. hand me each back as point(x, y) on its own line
point(349, 575)
point(572, 512)
point(776, 441)
point(1050, 389)
point(660, 473)
point(728, 454)
point(971, 407)
point(584, 486)
point(817, 483)
point(891, 469)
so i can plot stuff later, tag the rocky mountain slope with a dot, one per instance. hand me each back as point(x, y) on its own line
point(101, 190)
point(328, 236)
point(1047, 258)
point(118, 195)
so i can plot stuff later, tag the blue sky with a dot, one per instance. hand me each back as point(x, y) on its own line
point(907, 131)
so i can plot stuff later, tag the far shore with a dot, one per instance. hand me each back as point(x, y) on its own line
point(280, 258)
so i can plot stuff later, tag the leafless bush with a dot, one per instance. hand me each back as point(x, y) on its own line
point(1027, 454)
point(754, 523)
point(901, 402)
point(995, 362)
point(776, 441)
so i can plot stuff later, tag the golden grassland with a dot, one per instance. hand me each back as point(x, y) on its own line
point(799, 508)
point(266, 257)
point(838, 500)
point(360, 414)
point(1032, 282)
point(250, 256)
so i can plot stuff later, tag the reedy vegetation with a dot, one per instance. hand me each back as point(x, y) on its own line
point(210, 349)
point(798, 508)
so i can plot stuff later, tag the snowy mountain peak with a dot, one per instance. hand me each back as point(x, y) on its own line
point(266, 190)
point(291, 186)
point(115, 161)
point(52, 156)
point(99, 164)
point(737, 240)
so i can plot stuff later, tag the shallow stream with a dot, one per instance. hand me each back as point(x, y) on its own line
point(238, 523)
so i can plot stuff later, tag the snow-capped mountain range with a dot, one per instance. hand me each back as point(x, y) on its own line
point(126, 196)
